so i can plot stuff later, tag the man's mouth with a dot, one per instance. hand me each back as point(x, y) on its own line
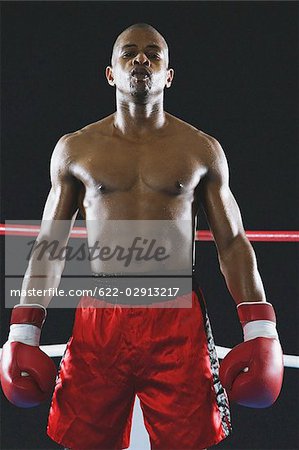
point(140, 74)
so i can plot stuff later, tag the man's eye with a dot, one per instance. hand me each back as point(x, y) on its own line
point(154, 56)
point(128, 54)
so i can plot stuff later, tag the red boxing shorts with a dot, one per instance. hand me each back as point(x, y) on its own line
point(164, 355)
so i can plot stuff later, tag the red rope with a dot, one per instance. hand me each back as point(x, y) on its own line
point(263, 236)
point(202, 235)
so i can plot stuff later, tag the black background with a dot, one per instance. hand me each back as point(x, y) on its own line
point(236, 78)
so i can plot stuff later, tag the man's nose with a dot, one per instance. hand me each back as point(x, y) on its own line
point(141, 58)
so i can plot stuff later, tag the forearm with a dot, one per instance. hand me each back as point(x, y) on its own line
point(239, 268)
point(40, 281)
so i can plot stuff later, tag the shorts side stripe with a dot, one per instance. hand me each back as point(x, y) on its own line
point(220, 394)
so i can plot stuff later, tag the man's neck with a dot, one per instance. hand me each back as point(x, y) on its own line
point(138, 121)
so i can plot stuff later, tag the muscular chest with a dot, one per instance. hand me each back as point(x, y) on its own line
point(162, 168)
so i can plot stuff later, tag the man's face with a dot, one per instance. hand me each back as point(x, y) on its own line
point(140, 64)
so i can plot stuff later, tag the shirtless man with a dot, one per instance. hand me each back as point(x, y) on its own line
point(142, 163)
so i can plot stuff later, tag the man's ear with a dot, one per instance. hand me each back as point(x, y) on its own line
point(170, 75)
point(109, 75)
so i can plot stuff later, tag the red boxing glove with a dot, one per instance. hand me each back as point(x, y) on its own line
point(27, 373)
point(252, 372)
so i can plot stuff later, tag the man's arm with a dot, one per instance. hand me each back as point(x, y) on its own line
point(59, 215)
point(236, 255)
point(251, 372)
point(27, 373)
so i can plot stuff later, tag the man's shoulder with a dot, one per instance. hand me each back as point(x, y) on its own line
point(201, 139)
point(100, 127)
point(76, 141)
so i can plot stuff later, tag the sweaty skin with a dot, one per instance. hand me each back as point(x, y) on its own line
point(141, 163)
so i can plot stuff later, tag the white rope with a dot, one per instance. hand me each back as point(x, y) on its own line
point(57, 350)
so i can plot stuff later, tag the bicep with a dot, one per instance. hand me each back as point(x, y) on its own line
point(62, 201)
point(61, 205)
point(221, 209)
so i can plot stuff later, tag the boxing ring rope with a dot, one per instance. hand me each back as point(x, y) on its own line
point(57, 350)
point(202, 235)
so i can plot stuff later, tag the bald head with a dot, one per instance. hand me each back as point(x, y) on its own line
point(128, 32)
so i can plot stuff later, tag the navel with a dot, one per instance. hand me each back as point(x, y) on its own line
point(179, 185)
point(101, 188)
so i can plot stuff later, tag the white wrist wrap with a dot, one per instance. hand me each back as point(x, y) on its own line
point(25, 333)
point(260, 328)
